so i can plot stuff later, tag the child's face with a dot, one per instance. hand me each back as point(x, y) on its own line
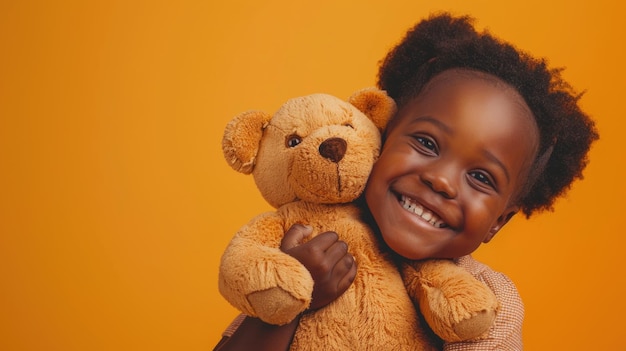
point(453, 160)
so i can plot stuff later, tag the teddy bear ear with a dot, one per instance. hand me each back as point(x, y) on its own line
point(375, 104)
point(242, 137)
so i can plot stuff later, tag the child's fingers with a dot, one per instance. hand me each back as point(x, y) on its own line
point(336, 251)
point(324, 240)
point(346, 269)
point(317, 246)
point(327, 259)
point(335, 279)
point(343, 269)
point(294, 236)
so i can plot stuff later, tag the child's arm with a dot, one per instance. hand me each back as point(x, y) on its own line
point(254, 334)
point(333, 269)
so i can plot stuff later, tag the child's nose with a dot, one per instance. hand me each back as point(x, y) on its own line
point(440, 182)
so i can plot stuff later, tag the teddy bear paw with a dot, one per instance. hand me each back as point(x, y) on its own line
point(459, 316)
point(474, 326)
point(276, 306)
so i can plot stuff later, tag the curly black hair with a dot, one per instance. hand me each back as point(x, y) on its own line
point(444, 42)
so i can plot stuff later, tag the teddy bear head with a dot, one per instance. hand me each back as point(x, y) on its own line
point(316, 148)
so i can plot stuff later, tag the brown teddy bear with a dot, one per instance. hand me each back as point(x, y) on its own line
point(311, 160)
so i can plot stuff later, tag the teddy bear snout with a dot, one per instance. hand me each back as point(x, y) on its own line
point(333, 149)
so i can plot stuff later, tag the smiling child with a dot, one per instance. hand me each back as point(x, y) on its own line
point(483, 132)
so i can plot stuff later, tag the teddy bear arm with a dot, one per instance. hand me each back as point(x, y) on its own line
point(456, 305)
point(260, 280)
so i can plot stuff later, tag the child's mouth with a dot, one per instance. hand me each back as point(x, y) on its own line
point(422, 212)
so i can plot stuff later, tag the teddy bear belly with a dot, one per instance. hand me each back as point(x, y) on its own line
point(375, 313)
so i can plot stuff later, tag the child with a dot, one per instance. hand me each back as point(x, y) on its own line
point(483, 132)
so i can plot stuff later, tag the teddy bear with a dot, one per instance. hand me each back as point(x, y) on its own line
point(311, 160)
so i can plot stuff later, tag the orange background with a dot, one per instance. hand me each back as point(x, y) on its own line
point(116, 203)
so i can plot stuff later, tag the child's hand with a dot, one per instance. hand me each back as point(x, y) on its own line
point(326, 257)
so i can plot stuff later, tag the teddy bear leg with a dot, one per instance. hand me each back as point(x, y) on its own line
point(275, 305)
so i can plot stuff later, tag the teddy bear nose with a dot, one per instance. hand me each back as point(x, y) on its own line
point(333, 149)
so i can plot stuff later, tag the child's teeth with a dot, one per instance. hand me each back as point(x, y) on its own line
point(422, 212)
point(419, 210)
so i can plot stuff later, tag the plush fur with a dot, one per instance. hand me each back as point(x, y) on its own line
point(310, 160)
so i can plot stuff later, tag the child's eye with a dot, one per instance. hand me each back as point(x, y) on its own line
point(427, 143)
point(482, 178)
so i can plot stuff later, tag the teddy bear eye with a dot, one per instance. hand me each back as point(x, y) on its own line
point(293, 141)
point(349, 125)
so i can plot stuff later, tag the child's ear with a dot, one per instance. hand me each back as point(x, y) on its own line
point(502, 220)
